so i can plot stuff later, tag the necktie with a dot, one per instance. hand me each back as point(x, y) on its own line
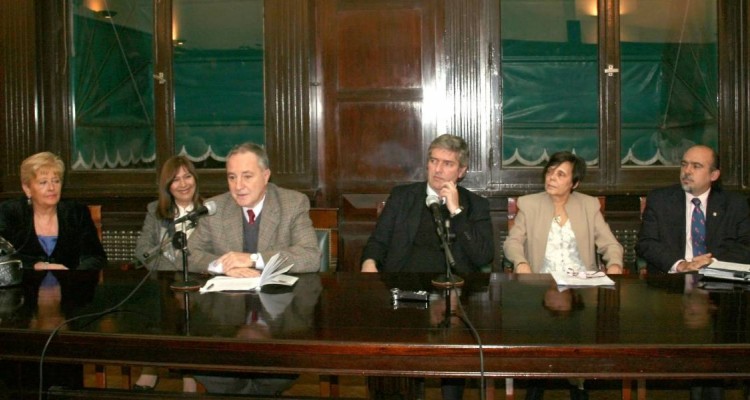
point(698, 229)
point(250, 217)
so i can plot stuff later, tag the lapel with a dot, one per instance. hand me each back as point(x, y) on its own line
point(414, 210)
point(678, 213)
point(270, 218)
point(231, 224)
point(714, 213)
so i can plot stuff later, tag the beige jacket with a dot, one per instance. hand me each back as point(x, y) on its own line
point(527, 240)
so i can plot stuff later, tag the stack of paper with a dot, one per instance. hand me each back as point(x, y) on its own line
point(726, 270)
point(591, 279)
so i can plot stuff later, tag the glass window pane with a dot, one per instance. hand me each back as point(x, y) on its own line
point(669, 80)
point(218, 76)
point(549, 80)
point(111, 64)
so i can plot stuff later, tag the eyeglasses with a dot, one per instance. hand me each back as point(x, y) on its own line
point(583, 274)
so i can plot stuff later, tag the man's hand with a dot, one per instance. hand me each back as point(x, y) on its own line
point(241, 272)
point(369, 266)
point(449, 192)
point(235, 259)
point(41, 266)
point(697, 263)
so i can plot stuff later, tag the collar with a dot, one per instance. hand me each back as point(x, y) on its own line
point(257, 209)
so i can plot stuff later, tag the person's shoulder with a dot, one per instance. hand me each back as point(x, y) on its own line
point(729, 195)
point(409, 188)
point(12, 203)
point(588, 200)
point(151, 207)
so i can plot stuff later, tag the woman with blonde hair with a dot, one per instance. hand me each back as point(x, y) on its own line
point(49, 233)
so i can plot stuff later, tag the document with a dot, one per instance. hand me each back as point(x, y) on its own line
point(590, 278)
point(726, 270)
point(273, 274)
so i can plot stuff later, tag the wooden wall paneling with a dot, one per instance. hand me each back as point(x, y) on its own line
point(289, 49)
point(378, 64)
point(20, 136)
point(468, 66)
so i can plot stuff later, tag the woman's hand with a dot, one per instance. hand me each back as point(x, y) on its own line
point(43, 266)
point(614, 269)
point(523, 268)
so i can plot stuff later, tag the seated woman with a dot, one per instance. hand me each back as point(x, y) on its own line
point(52, 236)
point(178, 195)
point(561, 230)
point(49, 233)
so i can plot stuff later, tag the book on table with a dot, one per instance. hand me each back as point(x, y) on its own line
point(273, 273)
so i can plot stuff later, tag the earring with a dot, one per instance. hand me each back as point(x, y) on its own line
point(28, 200)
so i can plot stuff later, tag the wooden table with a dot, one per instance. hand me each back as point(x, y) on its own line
point(346, 324)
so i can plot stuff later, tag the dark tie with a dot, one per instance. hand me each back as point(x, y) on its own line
point(250, 217)
point(698, 229)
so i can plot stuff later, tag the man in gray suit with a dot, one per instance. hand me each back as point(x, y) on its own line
point(253, 221)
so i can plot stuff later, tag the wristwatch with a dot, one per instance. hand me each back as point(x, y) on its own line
point(458, 211)
point(254, 258)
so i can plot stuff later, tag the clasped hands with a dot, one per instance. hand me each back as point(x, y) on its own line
point(238, 265)
point(525, 268)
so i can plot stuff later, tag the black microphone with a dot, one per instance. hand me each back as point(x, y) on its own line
point(208, 208)
point(433, 202)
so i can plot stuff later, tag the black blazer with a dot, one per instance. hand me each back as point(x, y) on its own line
point(391, 242)
point(78, 245)
point(661, 240)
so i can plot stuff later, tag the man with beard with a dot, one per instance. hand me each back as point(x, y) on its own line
point(685, 226)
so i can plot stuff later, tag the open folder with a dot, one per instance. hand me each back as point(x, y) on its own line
point(273, 274)
point(726, 270)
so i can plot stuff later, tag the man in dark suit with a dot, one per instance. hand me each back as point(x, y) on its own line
point(405, 237)
point(685, 226)
point(254, 221)
point(665, 239)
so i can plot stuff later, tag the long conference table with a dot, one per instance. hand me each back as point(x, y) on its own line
point(348, 324)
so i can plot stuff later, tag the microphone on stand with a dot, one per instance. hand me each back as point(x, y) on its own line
point(208, 208)
point(446, 280)
point(179, 241)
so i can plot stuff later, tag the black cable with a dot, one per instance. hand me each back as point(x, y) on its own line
point(95, 316)
point(475, 334)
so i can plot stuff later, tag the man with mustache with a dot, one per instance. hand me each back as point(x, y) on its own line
point(668, 240)
point(684, 226)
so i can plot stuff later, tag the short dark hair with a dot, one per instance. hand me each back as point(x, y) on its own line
point(579, 166)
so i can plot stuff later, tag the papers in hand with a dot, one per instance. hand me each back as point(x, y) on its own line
point(273, 274)
point(726, 270)
point(592, 279)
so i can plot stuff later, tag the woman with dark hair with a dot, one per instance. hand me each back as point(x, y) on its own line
point(178, 195)
point(561, 230)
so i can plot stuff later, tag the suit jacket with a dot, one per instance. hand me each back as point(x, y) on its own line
point(285, 227)
point(150, 238)
point(391, 242)
point(661, 240)
point(78, 245)
point(527, 240)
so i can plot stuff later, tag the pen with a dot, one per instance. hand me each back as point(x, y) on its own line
point(209, 286)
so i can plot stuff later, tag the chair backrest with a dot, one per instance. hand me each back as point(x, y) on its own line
point(96, 216)
point(324, 244)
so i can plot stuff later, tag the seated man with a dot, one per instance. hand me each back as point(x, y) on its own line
point(406, 239)
point(685, 226)
point(253, 221)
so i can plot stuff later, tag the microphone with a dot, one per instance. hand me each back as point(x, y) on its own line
point(433, 202)
point(208, 207)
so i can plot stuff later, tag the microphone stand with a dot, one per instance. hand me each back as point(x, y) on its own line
point(179, 241)
point(447, 280)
